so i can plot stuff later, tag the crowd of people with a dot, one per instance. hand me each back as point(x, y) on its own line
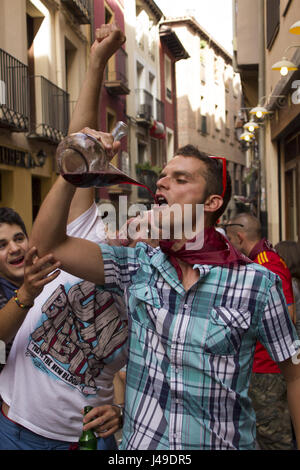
point(208, 334)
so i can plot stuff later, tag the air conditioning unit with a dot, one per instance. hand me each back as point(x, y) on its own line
point(2, 92)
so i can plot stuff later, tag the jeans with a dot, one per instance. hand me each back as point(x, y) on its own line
point(16, 437)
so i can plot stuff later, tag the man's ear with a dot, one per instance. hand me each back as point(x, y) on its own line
point(213, 203)
point(241, 237)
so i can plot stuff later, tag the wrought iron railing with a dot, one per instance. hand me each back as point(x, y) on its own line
point(144, 104)
point(14, 93)
point(81, 9)
point(52, 110)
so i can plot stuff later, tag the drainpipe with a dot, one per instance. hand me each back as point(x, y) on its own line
point(234, 39)
point(262, 203)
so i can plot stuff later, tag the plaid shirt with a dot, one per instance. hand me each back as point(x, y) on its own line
point(191, 352)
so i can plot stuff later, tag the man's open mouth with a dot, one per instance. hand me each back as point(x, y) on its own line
point(17, 261)
point(160, 200)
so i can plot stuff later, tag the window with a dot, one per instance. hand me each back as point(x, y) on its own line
point(203, 124)
point(152, 84)
point(218, 123)
point(227, 128)
point(273, 21)
point(202, 69)
point(168, 78)
point(142, 153)
point(202, 73)
point(216, 70)
point(226, 76)
point(108, 15)
point(71, 76)
point(237, 174)
point(154, 152)
point(291, 204)
point(110, 124)
point(170, 145)
point(142, 27)
point(140, 75)
point(36, 196)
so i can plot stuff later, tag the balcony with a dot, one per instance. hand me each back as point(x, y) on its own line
point(51, 111)
point(81, 9)
point(116, 81)
point(144, 107)
point(14, 93)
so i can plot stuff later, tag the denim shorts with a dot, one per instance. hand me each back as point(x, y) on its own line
point(16, 437)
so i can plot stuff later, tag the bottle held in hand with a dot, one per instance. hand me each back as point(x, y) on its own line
point(83, 162)
point(88, 439)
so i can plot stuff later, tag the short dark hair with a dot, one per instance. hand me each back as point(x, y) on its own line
point(213, 177)
point(290, 252)
point(10, 217)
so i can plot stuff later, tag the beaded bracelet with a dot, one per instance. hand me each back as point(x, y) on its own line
point(20, 304)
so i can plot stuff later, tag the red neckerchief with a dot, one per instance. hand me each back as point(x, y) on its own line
point(262, 245)
point(216, 250)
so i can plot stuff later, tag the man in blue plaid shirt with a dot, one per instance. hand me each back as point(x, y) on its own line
point(194, 317)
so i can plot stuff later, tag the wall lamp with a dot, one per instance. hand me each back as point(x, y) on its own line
point(247, 136)
point(295, 28)
point(259, 111)
point(284, 65)
point(251, 126)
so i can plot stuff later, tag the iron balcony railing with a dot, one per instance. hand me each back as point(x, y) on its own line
point(52, 110)
point(160, 111)
point(14, 93)
point(116, 73)
point(144, 104)
point(81, 9)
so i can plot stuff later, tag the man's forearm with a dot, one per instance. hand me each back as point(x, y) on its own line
point(85, 113)
point(109, 40)
point(11, 318)
point(293, 395)
point(50, 226)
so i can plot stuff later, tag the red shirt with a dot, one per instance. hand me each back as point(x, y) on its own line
point(263, 363)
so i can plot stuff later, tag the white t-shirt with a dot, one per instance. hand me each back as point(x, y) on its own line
point(67, 350)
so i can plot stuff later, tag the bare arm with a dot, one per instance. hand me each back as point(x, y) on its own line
point(37, 274)
point(292, 312)
point(80, 257)
point(291, 373)
point(85, 114)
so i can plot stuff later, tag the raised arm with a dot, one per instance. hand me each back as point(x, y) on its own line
point(79, 257)
point(108, 40)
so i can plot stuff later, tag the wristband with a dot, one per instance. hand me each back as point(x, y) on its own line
point(121, 417)
point(20, 304)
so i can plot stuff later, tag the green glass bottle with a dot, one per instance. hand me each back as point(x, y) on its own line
point(88, 439)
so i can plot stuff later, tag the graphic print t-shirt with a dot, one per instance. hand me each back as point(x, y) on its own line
point(67, 351)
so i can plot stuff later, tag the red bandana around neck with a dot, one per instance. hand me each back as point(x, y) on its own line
point(262, 245)
point(216, 250)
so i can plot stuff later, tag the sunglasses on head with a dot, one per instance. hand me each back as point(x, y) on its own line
point(224, 177)
point(232, 225)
